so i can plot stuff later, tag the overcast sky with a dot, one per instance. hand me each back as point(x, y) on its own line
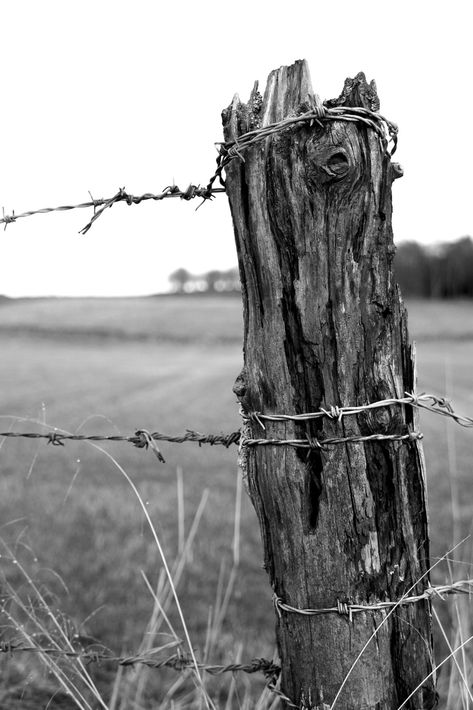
point(97, 95)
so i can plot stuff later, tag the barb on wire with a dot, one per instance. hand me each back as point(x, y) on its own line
point(463, 586)
point(101, 205)
point(177, 662)
point(228, 151)
point(320, 113)
point(142, 438)
point(430, 402)
point(146, 441)
point(313, 443)
point(7, 218)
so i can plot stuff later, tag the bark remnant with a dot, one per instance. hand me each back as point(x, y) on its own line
point(324, 325)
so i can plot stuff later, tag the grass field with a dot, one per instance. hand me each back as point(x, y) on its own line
point(167, 364)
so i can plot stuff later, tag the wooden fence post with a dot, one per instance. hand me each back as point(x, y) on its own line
point(324, 325)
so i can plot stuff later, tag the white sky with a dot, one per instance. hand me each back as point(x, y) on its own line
point(98, 95)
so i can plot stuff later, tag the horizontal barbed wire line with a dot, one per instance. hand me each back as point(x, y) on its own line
point(228, 151)
point(176, 662)
point(142, 438)
point(430, 402)
point(121, 196)
point(313, 443)
point(181, 664)
point(318, 114)
point(463, 586)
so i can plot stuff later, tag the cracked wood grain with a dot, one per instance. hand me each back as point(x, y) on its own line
point(324, 324)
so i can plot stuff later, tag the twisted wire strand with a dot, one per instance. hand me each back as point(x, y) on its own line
point(229, 150)
point(177, 662)
point(463, 586)
point(143, 439)
point(121, 196)
point(313, 443)
point(275, 689)
point(430, 402)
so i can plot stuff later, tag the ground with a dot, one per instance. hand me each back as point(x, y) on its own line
point(168, 364)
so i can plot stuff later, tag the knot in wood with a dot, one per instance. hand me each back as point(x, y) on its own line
point(327, 164)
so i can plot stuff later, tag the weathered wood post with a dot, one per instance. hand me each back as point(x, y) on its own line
point(323, 326)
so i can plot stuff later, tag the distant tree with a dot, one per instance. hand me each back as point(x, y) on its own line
point(412, 270)
point(436, 270)
point(179, 279)
point(213, 281)
point(232, 279)
point(458, 269)
point(439, 271)
point(222, 281)
point(212, 278)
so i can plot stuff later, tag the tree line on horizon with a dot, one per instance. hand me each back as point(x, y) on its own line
point(435, 271)
point(213, 281)
point(422, 271)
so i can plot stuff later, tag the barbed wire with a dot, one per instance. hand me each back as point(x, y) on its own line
point(430, 402)
point(274, 688)
point(316, 115)
point(181, 663)
point(121, 196)
point(463, 586)
point(311, 442)
point(143, 439)
point(228, 151)
point(178, 662)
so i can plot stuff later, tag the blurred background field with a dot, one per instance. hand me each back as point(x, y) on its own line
point(168, 363)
